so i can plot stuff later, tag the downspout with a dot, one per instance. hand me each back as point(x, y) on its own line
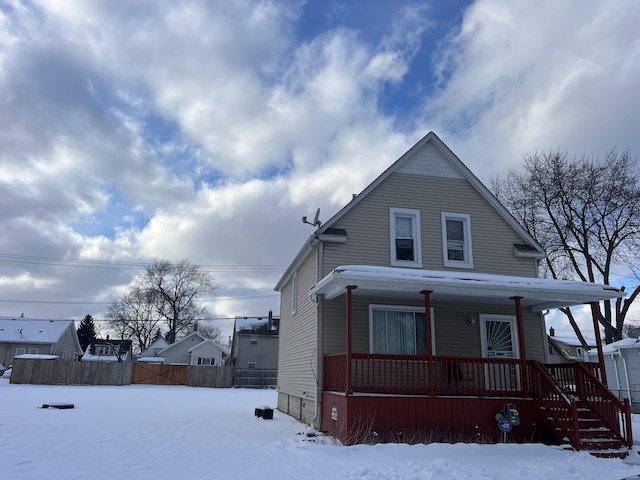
point(318, 360)
point(615, 367)
point(626, 374)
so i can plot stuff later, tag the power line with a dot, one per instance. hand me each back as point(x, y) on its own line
point(126, 265)
point(89, 302)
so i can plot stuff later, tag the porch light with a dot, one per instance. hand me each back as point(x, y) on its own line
point(471, 319)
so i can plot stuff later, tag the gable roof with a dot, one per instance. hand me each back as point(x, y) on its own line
point(32, 330)
point(448, 165)
point(208, 341)
point(182, 340)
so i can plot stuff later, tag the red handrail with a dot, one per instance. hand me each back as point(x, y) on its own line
point(561, 411)
point(615, 413)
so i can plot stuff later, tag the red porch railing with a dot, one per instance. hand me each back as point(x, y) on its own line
point(613, 412)
point(409, 374)
point(559, 408)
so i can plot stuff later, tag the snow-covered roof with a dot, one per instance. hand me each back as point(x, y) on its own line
point(32, 330)
point(247, 323)
point(447, 286)
point(37, 356)
point(151, 360)
point(573, 341)
point(616, 346)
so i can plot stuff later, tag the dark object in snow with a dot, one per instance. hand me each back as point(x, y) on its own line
point(61, 406)
point(264, 412)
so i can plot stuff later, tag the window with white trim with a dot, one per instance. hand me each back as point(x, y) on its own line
point(399, 330)
point(405, 237)
point(20, 351)
point(456, 240)
point(294, 292)
point(253, 339)
point(251, 362)
point(33, 351)
point(206, 361)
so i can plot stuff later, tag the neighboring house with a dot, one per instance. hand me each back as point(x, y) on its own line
point(107, 350)
point(195, 349)
point(416, 310)
point(622, 363)
point(151, 354)
point(567, 348)
point(19, 336)
point(255, 342)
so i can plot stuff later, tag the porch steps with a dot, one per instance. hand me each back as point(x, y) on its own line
point(594, 436)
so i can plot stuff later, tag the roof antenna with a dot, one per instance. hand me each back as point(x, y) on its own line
point(316, 222)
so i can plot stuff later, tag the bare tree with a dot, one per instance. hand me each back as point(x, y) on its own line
point(134, 316)
point(175, 290)
point(210, 331)
point(585, 213)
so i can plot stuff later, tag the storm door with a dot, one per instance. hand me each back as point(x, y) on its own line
point(499, 341)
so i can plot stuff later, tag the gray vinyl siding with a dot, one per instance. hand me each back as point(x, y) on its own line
point(297, 343)
point(265, 352)
point(454, 336)
point(367, 226)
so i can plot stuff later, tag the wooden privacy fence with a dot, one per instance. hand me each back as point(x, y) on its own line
point(255, 378)
point(159, 374)
point(69, 372)
point(191, 375)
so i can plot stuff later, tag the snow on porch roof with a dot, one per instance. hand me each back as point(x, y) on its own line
point(537, 293)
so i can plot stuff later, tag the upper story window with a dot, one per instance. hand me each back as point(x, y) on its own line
point(253, 339)
point(405, 237)
point(456, 240)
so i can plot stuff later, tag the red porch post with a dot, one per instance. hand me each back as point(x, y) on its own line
point(427, 317)
point(349, 288)
point(595, 314)
point(523, 353)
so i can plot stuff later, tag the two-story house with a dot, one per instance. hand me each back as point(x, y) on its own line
point(416, 311)
point(255, 342)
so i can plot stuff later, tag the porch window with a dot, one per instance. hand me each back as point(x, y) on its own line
point(399, 330)
point(456, 240)
point(405, 237)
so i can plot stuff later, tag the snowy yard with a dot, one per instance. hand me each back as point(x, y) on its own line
point(156, 432)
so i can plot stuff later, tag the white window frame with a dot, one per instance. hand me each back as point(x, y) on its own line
point(394, 213)
point(253, 340)
point(20, 351)
point(294, 293)
point(401, 308)
point(467, 248)
point(252, 362)
point(206, 361)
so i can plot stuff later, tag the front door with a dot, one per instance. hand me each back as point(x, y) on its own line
point(499, 340)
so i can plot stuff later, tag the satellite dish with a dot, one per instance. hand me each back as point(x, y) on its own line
point(316, 222)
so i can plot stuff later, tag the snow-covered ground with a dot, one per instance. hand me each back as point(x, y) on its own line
point(155, 432)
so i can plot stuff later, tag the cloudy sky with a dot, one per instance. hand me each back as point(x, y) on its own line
point(206, 129)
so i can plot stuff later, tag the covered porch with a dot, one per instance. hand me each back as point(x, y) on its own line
point(453, 398)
